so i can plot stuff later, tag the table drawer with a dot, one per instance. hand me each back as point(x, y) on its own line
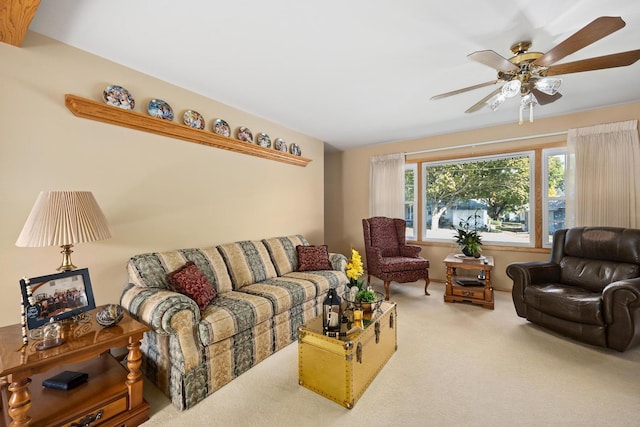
point(102, 414)
point(468, 292)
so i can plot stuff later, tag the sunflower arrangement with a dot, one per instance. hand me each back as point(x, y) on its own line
point(357, 290)
point(355, 269)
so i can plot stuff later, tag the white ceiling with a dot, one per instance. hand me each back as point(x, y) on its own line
point(349, 72)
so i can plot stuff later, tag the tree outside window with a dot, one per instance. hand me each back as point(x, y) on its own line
point(495, 190)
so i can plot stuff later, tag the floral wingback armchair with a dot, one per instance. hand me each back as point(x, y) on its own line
point(389, 258)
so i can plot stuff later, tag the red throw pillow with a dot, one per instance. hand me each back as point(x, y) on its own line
point(312, 258)
point(190, 281)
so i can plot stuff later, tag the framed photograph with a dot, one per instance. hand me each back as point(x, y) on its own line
point(57, 296)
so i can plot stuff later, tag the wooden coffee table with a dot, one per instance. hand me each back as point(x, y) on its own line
point(482, 293)
point(113, 393)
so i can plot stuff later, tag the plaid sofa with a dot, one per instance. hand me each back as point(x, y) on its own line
point(261, 302)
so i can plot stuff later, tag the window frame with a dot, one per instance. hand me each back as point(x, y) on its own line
point(530, 154)
point(536, 211)
point(546, 153)
point(414, 204)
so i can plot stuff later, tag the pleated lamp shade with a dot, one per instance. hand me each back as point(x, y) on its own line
point(64, 218)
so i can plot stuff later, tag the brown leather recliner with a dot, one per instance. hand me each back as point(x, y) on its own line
point(589, 289)
point(389, 258)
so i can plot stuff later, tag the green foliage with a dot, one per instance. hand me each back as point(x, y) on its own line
point(409, 180)
point(501, 184)
point(366, 295)
point(468, 237)
point(555, 168)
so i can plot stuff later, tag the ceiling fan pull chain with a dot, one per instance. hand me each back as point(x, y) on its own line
point(521, 108)
point(531, 113)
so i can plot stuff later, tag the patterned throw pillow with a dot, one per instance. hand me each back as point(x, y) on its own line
point(313, 258)
point(190, 281)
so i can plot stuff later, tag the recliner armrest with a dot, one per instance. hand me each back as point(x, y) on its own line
point(527, 273)
point(534, 272)
point(621, 301)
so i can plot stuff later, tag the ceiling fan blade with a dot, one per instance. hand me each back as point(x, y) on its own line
point(621, 59)
point(543, 98)
point(493, 60)
point(591, 33)
point(478, 105)
point(466, 89)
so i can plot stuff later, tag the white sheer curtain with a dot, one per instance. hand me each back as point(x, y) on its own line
point(386, 186)
point(603, 175)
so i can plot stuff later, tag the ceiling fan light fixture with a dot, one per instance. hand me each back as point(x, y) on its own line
point(548, 85)
point(527, 101)
point(495, 101)
point(511, 88)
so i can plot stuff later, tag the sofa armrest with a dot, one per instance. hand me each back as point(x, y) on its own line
point(621, 302)
point(157, 307)
point(410, 251)
point(528, 273)
point(338, 262)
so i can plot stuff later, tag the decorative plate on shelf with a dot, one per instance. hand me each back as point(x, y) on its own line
point(244, 134)
point(221, 127)
point(160, 109)
point(263, 140)
point(193, 119)
point(280, 145)
point(117, 96)
point(295, 149)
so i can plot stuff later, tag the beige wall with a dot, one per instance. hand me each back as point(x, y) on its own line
point(157, 193)
point(347, 204)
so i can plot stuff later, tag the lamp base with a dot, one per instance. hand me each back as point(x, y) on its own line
point(66, 265)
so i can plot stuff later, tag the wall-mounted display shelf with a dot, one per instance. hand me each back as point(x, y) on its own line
point(101, 112)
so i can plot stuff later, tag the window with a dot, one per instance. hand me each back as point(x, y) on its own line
point(553, 196)
point(494, 193)
point(410, 202)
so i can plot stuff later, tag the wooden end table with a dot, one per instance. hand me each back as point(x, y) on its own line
point(112, 395)
point(482, 294)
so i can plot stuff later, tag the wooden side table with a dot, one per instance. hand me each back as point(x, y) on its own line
point(481, 294)
point(112, 395)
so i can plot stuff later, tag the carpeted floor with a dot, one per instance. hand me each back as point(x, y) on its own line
point(456, 365)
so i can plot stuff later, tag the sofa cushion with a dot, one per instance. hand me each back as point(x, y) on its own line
point(284, 292)
point(248, 262)
point(283, 252)
point(231, 313)
point(322, 280)
point(313, 258)
point(190, 281)
point(566, 302)
point(150, 270)
point(396, 264)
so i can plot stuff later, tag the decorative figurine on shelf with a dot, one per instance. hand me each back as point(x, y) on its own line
point(331, 313)
point(109, 315)
point(51, 335)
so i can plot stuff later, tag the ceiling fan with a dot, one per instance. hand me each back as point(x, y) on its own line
point(531, 74)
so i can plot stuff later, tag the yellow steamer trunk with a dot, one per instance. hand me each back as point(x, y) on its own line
point(342, 368)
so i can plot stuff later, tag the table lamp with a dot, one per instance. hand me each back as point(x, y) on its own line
point(64, 218)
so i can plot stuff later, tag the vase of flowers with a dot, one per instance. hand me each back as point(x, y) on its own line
point(359, 294)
